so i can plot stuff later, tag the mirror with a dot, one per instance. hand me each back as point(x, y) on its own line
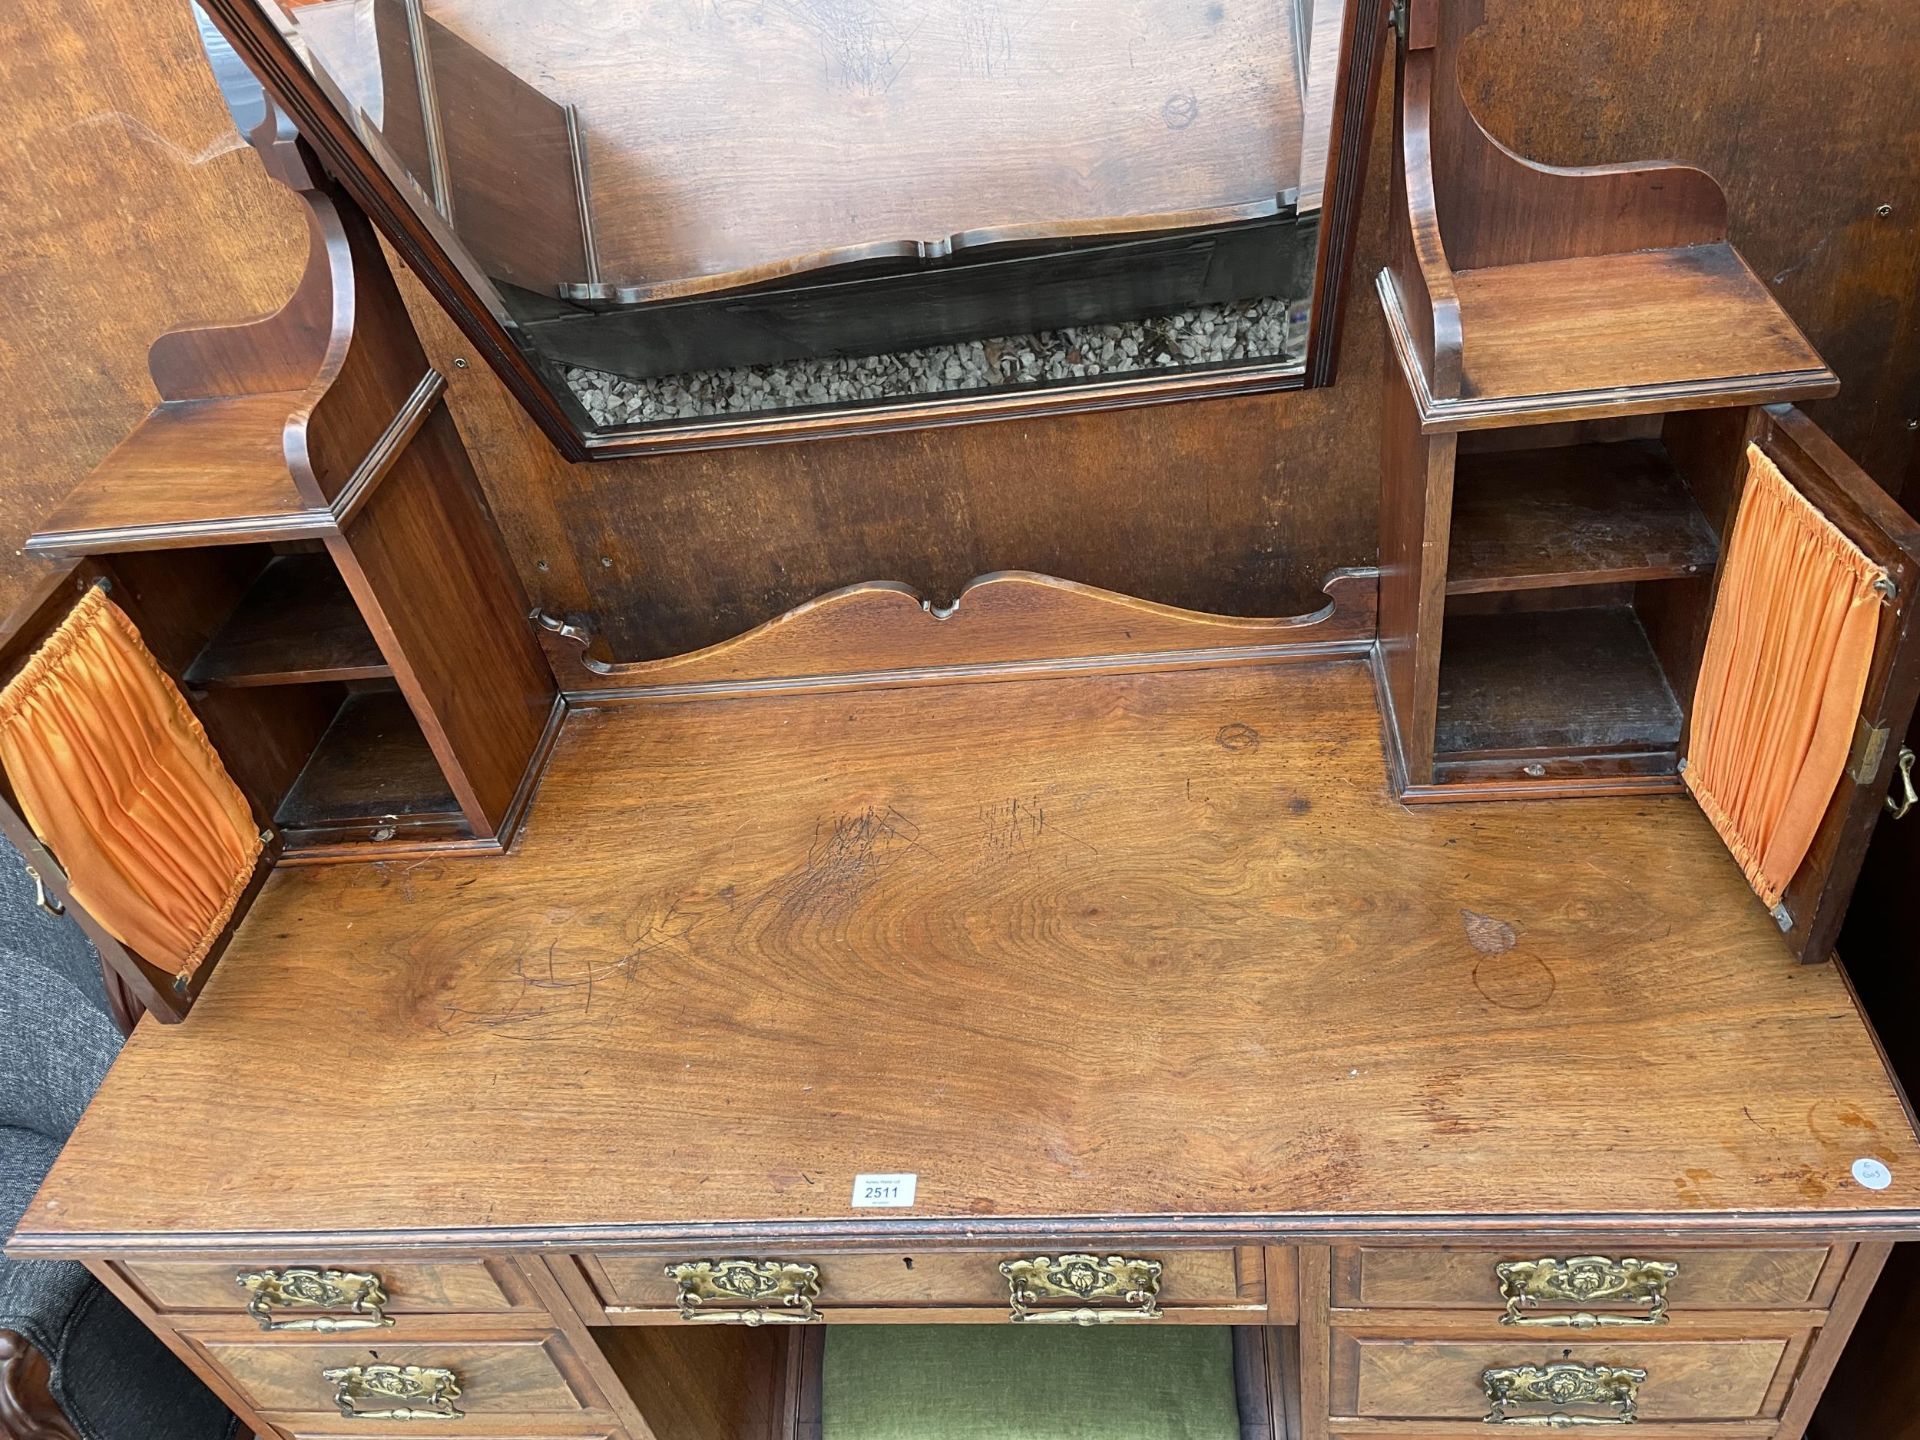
point(697, 217)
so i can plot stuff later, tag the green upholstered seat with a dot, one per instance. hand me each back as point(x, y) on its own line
point(1028, 1382)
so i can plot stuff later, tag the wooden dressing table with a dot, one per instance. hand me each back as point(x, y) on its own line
point(1052, 957)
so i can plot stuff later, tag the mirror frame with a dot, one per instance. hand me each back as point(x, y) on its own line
point(258, 43)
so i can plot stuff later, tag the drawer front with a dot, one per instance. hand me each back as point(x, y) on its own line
point(489, 1378)
point(292, 1291)
point(1387, 1276)
point(1188, 1278)
point(1382, 1377)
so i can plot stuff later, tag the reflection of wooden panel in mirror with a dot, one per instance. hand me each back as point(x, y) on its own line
point(730, 138)
point(494, 155)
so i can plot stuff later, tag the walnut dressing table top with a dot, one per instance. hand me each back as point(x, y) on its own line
point(1156, 950)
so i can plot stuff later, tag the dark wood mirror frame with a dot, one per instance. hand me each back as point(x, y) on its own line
point(267, 53)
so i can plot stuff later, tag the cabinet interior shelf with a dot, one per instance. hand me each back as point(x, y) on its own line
point(297, 623)
point(1574, 515)
point(372, 767)
point(1555, 683)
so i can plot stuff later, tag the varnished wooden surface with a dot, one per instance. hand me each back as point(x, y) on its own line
point(1156, 948)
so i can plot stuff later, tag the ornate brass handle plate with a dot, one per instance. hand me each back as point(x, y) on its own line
point(1116, 1288)
point(759, 1292)
point(1581, 1281)
point(316, 1290)
point(1562, 1383)
point(355, 1385)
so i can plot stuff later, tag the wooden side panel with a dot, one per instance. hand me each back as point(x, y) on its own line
point(427, 566)
point(1416, 501)
point(705, 1382)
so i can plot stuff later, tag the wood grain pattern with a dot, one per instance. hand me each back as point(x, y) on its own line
point(1091, 847)
point(998, 625)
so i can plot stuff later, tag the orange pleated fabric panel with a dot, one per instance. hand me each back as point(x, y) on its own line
point(116, 777)
point(1786, 665)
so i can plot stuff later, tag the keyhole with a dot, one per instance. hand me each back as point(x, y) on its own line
point(907, 1260)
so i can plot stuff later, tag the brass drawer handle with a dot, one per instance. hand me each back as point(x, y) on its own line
point(354, 1384)
point(1117, 1280)
point(1564, 1382)
point(1585, 1280)
point(317, 1290)
point(761, 1292)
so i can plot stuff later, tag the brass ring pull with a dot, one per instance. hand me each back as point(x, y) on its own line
point(437, 1387)
point(1562, 1383)
point(758, 1292)
point(1584, 1280)
point(1896, 808)
point(53, 907)
point(1132, 1287)
point(318, 1290)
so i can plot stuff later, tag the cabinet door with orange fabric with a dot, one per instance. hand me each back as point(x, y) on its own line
point(141, 807)
point(1809, 673)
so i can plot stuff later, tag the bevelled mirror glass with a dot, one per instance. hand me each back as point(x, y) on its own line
point(693, 217)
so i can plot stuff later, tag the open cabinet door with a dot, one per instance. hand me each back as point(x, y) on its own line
point(112, 785)
point(1794, 677)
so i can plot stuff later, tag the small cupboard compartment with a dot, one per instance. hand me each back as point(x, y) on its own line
point(293, 556)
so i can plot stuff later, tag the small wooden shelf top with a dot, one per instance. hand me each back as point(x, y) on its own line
point(1619, 334)
point(194, 472)
point(1155, 948)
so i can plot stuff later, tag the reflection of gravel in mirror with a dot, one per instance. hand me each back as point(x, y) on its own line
point(1211, 334)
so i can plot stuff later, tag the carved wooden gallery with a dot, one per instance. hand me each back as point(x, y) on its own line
point(1033, 1012)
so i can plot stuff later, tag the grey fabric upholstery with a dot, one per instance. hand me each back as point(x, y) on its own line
point(112, 1376)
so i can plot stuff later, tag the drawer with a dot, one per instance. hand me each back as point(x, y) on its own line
point(1380, 1376)
point(1385, 1276)
point(521, 1375)
point(868, 1280)
point(291, 1293)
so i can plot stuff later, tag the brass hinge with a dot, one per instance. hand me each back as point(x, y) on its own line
point(1397, 18)
point(1869, 750)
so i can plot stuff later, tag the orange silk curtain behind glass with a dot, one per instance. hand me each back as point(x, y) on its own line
point(1780, 687)
point(116, 777)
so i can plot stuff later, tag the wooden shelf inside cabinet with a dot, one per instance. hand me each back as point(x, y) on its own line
point(1574, 515)
point(372, 768)
point(298, 623)
point(1552, 682)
